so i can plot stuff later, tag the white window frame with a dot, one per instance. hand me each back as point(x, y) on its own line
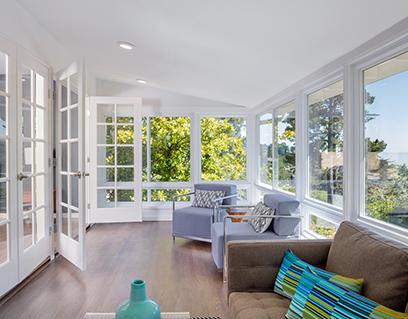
point(332, 78)
point(357, 68)
point(259, 183)
point(248, 146)
point(275, 167)
point(149, 185)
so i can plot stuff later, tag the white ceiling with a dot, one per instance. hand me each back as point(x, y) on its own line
point(236, 51)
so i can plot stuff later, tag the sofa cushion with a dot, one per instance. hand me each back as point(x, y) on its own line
point(291, 271)
point(284, 206)
point(228, 189)
point(235, 231)
point(383, 264)
point(316, 295)
point(261, 305)
point(193, 222)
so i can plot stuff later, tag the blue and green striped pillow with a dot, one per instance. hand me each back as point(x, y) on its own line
point(318, 298)
point(292, 268)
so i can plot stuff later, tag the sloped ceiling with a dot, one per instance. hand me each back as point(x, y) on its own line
point(235, 51)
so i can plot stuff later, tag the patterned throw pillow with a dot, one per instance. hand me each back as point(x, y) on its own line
point(261, 224)
point(291, 271)
point(205, 198)
point(316, 297)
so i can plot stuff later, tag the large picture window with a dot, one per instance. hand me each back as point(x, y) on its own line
point(285, 147)
point(386, 152)
point(223, 149)
point(166, 156)
point(325, 138)
point(265, 148)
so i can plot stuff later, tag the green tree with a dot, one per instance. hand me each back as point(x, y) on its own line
point(223, 149)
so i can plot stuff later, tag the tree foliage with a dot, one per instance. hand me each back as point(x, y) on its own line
point(223, 149)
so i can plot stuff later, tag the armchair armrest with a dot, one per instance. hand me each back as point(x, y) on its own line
point(216, 207)
point(253, 266)
point(181, 195)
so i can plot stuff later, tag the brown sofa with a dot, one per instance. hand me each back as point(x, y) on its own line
point(355, 252)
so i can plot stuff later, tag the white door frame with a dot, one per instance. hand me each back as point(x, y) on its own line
point(132, 213)
point(33, 256)
point(9, 270)
point(71, 245)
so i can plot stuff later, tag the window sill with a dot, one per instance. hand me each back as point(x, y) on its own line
point(385, 229)
point(326, 208)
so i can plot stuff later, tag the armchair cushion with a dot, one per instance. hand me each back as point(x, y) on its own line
point(228, 189)
point(193, 222)
point(260, 224)
point(284, 206)
point(234, 231)
point(206, 198)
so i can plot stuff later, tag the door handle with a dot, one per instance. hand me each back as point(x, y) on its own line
point(21, 176)
point(77, 174)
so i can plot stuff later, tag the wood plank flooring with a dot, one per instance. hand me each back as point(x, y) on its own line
point(180, 276)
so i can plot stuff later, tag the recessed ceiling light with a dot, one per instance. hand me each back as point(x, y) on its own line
point(125, 45)
point(141, 81)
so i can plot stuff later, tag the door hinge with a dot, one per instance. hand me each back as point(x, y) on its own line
point(54, 162)
point(89, 206)
point(50, 229)
point(88, 159)
point(49, 162)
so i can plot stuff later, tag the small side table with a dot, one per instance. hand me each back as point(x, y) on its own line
point(239, 211)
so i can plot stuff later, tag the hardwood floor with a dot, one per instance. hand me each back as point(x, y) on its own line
point(180, 276)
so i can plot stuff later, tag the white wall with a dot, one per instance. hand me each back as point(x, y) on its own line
point(18, 26)
point(157, 99)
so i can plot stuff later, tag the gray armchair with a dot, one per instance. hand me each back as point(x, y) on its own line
point(195, 222)
point(285, 224)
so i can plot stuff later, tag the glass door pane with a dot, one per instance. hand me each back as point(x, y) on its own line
point(115, 159)
point(70, 169)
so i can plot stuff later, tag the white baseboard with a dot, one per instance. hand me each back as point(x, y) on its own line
point(157, 214)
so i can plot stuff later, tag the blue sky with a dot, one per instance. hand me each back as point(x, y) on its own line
point(391, 103)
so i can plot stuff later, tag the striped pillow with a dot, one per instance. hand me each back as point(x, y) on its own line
point(292, 268)
point(318, 298)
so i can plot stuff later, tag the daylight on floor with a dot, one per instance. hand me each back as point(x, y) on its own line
point(203, 159)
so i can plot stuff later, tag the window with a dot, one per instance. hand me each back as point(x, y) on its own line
point(386, 148)
point(322, 226)
point(265, 148)
point(325, 138)
point(223, 149)
point(115, 156)
point(284, 147)
point(166, 155)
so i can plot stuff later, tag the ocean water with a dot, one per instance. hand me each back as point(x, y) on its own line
point(397, 158)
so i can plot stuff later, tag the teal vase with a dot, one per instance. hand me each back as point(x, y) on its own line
point(138, 306)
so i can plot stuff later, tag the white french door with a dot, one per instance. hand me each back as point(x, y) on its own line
point(33, 163)
point(9, 238)
point(24, 171)
point(115, 154)
point(71, 174)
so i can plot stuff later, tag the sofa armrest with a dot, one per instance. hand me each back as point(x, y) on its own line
point(254, 265)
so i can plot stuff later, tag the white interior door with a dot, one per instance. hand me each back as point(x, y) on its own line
point(33, 163)
point(115, 155)
point(71, 197)
point(8, 190)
